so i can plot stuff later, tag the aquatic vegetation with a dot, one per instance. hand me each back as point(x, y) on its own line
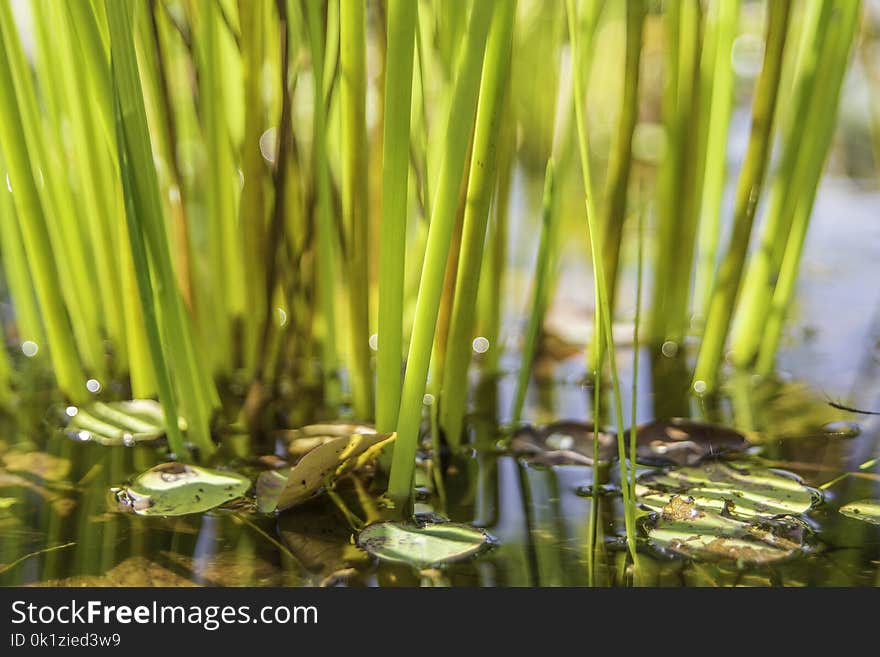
point(866, 510)
point(234, 235)
point(423, 545)
point(174, 489)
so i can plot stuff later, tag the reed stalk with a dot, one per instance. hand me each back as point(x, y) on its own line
point(323, 219)
point(785, 191)
point(67, 239)
point(539, 296)
point(197, 393)
point(145, 293)
point(252, 211)
point(459, 125)
point(402, 18)
point(31, 215)
point(28, 322)
point(602, 306)
point(727, 283)
point(718, 79)
point(220, 190)
point(815, 144)
point(620, 162)
point(355, 200)
point(481, 184)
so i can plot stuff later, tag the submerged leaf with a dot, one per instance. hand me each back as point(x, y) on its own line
point(328, 460)
point(423, 545)
point(118, 423)
point(562, 443)
point(684, 442)
point(176, 489)
point(867, 510)
point(719, 486)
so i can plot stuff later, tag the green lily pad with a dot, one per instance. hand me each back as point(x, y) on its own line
point(423, 545)
point(718, 486)
point(867, 510)
point(711, 536)
point(176, 489)
point(118, 423)
point(718, 511)
point(328, 460)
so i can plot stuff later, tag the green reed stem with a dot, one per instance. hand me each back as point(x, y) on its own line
point(815, 146)
point(620, 162)
point(727, 284)
point(29, 325)
point(323, 219)
point(495, 262)
point(221, 186)
point(402, 17)
point(481, 184)
point(197, 393)
point(785, 191)
point(145, 291)
point(722, 19)
point(94, 165)
point(459, 126)
point(539, 297)
point(637, 322)
point(32, 222)
point(355, 200)
point(66, 234)
point(252, 211)
point(602, 300)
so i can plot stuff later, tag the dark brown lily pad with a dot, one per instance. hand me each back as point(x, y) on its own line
point(685, 442)
point(562, 443)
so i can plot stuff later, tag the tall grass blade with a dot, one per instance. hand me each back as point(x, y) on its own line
point(459, 126)
point(402, 19)
point(355, 200)
point(197, 393)
point(727, 283)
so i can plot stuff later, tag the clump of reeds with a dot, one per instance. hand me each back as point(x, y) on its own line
point(197, 206)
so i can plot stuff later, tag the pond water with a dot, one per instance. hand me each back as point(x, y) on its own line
point(60, 523)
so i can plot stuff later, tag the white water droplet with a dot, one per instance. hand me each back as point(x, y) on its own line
point(428, 399)
point(71, 411)
point(700, 387)
point(481, 345)
point(669, 348)
point(374, 342)
point(268, 144)
point(282, 316)
point(29, 348)
point(93, 385)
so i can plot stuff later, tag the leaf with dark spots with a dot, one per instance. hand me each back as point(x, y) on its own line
point(328, 460)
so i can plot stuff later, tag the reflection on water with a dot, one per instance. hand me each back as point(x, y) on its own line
point(59, 525)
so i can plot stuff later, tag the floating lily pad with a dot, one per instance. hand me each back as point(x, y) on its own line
point(562, 443)
point(719, 511)
point(711, 536)
point(118, 423)
point(176, 489)
point(720, 487)
point(867, 510)
point(330, 460)
point(684, 442)
point(423, 545)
